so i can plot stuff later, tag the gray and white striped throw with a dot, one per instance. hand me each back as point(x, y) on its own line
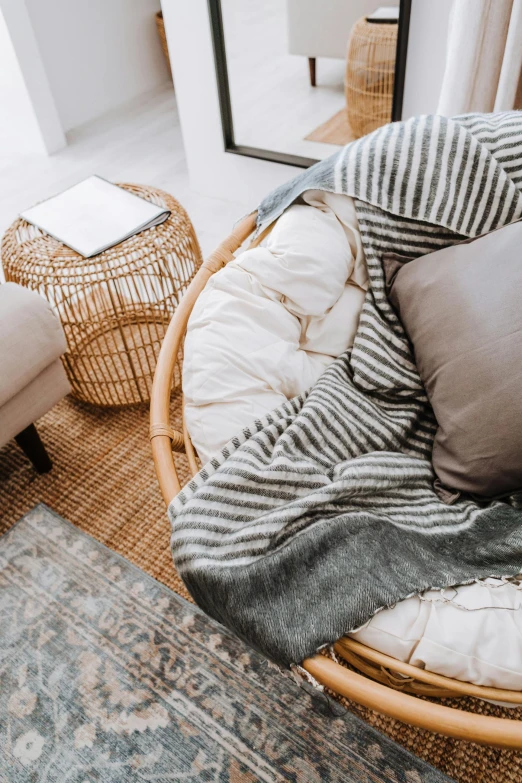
point(324, 512)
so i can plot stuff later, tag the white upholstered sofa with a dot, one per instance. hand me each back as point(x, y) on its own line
point(321, 28)
point(32, 378)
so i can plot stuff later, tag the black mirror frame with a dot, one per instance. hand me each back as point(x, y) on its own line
point(225, 104)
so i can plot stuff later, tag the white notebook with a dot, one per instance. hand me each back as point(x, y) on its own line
point(94, 215)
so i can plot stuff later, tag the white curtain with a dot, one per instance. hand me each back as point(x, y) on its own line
point(484, 57)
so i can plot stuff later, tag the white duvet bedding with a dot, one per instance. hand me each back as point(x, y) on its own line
point(469, 632)
point(262, 332)
point(268, 324)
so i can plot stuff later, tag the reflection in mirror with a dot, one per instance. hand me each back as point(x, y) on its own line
point(305, 76)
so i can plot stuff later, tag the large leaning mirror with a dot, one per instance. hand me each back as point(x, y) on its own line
point(299, 78)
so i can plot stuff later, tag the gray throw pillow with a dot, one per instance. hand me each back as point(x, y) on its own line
point(461, 308)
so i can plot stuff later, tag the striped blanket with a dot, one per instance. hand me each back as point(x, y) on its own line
point(324, 512)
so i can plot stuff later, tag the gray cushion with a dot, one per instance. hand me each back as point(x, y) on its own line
point(31, 338)
point(462, 310)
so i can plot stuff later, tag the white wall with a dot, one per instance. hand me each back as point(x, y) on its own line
point(19, 127)
point(212, 171)
point(97, 54)
point(29, 120)
point(429, 25)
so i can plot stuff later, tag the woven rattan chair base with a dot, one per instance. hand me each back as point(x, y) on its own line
point(381, 683)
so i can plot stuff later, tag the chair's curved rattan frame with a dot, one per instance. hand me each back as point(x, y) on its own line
point(392, 682)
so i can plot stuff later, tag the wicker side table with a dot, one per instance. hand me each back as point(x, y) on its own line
point(115, 307)
point(370, 73)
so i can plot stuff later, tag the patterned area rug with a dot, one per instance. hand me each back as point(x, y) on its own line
point(100, 454)
point(108, 676)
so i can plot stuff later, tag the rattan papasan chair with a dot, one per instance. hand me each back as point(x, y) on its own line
point(380, 682)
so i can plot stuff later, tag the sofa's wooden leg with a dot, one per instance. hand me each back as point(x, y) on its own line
point(32, 446)
point(311, 66)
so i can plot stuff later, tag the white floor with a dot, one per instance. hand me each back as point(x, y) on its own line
point(138, 143)
point(273, 104)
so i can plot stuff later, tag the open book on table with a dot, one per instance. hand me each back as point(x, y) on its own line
point(94, 215)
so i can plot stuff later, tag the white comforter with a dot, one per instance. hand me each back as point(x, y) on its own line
point(262, 332)
point(268, 324)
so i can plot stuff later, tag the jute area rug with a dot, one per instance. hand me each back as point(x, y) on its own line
point(336, 130)
point(106, 675)
point(103, 481)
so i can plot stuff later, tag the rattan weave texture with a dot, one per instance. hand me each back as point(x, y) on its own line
point(370, 72)
point(114, 307)
point(160, 24)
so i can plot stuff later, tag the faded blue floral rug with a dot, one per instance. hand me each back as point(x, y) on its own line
point(107, 676)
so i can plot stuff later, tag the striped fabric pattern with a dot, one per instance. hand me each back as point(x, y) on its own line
point(347, 466)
